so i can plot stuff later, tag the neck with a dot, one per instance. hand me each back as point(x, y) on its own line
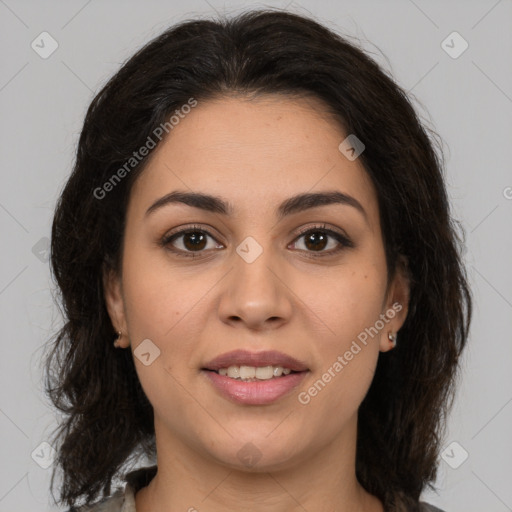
point(190, 481)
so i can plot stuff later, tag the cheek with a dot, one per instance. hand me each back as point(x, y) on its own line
point(159, 306)
point(348, 349)
point(158, 296)
point(346, 302)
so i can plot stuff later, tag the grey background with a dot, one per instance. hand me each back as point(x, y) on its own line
point(468, 101)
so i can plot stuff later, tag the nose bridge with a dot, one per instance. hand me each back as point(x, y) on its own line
point(255, 292)
point(252, 274)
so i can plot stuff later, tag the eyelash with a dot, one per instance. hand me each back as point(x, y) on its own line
point(343, 240)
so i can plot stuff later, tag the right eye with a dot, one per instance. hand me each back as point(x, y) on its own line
point(192, 239)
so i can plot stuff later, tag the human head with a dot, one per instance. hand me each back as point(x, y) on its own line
point(258, 54)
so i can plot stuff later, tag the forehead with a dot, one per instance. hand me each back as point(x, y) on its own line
point(254, 153)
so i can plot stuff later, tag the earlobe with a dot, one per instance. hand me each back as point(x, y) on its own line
point(397, 305)
point(390, 343)
point(115, 304)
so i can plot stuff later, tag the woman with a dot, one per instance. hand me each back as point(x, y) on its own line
point(262, 283)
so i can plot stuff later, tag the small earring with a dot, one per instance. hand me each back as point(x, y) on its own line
point(392, 338)
point(119, 336)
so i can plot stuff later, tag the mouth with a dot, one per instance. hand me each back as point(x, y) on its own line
point(254, 378)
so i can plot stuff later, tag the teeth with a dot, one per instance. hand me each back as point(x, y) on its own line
point(251, 373)
point(246, 372)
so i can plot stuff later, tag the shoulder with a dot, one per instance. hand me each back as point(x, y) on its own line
point(117, 502)
point(425, 507)
point(123, 500)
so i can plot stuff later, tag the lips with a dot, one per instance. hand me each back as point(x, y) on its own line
point(254, 393)
point(247, 358)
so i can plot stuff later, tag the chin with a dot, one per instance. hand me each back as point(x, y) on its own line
point(257, 454)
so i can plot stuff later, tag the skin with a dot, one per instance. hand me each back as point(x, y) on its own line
point(254, 154)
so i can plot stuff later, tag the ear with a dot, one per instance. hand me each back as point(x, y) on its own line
point(396, 304)
point(115, 303)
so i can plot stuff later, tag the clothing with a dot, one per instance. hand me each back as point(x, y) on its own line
point(123, 500)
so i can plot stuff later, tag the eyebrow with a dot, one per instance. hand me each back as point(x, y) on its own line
point(294, 204)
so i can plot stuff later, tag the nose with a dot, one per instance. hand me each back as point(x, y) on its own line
point(255, 292)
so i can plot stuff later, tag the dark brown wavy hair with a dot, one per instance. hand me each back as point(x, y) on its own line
point(107, 419)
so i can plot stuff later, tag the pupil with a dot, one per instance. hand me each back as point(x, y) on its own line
point(196, 237)
point(315, 245)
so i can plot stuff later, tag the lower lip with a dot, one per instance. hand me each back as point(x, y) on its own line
point(254, 393)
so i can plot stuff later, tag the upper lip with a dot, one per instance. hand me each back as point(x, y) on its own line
point(246, 358)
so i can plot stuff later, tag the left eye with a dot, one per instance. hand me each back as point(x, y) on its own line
point(317, 239)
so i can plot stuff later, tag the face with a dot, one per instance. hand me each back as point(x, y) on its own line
point(307, 280)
